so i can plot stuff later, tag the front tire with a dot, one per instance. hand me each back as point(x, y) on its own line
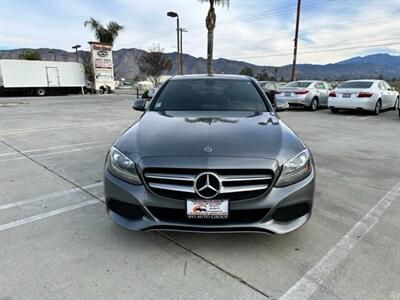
point(314, 104)
point(378, 107)
point(396, 104)
point(41, 92)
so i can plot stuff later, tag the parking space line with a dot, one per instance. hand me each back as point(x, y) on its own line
point(49, 196)
point(320, 272)
point(30, 130)
point(47, 149)
point(50, 153)
point(47, 214)
point(50, 170)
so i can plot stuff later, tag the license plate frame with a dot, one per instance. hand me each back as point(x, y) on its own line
point(346, 95)
point(287, 94)
point(216, 209)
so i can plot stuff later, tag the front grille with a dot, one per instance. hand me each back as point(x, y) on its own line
point(237, 184)
point(235, 216)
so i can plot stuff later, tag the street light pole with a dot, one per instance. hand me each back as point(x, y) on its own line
point(181, 48)
point(175, 15)
point(76, 50)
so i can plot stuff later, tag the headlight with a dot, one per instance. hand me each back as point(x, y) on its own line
point(122, 167)
point(296, 169)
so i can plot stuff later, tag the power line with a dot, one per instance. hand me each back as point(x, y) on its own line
point(318, 51)
point(255, 17)
point(321, 29)
point(281, 11)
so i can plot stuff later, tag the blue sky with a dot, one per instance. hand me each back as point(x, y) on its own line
point(258, 31)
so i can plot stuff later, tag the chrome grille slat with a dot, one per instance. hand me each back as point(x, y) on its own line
point(242, 188)
point(236, 184)
point(245, 177)
point(172, 187)
point(170, 176)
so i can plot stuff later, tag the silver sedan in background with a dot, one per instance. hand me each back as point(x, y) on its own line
point(307, 93)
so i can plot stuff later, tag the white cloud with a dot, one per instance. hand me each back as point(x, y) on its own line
point(264, 34)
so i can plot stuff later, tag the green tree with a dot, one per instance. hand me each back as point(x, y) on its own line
point(30, 55)
point(210, 24)
point(153, 64)
point(247, 71)
point(89, 72)
point(103, 34)
point(263, 75)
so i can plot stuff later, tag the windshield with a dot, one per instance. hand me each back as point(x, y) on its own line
point(210, 94)
point(355, 85)
point(302, 84)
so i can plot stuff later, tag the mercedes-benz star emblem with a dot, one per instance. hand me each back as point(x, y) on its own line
point(207, 185)
point(208, 149)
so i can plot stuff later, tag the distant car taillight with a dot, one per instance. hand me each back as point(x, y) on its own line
point(364, 94)
point(302, 92)
point(332, 94)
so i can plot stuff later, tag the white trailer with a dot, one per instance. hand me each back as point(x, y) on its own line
point(32, 77)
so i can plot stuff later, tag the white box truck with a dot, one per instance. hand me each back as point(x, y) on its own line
point(35, 77)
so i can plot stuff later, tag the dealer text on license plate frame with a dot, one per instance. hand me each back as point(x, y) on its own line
point(207, 209)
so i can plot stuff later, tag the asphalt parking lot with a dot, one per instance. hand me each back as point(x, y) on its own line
point(56, 242)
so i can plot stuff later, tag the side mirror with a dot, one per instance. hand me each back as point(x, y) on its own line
point(139, 104)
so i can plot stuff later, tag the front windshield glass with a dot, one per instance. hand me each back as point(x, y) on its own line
point(301, 84)
point(210, 94)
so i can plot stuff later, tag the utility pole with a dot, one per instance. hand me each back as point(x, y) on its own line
point(181, 51)
point(296, 36)
point(76, 50)
point(175, 15)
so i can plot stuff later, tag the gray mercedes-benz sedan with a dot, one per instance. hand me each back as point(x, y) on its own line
point(209, 154)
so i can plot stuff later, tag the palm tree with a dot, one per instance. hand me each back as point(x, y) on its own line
point(210, 24)
point(103, 34)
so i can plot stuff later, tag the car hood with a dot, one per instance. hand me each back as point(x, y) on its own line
point(234, 134)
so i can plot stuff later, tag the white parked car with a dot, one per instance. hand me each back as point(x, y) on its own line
point(307, 93)
point(366, 94)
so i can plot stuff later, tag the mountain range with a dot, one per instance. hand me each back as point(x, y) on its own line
point(379, 65)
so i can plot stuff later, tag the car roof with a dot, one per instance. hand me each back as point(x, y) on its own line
point(208, 76)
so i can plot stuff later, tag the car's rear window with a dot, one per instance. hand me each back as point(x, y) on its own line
point(209, 94)
point(301, 84)
point(355, 85)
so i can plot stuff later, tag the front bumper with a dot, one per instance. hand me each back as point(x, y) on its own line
point(152, 212)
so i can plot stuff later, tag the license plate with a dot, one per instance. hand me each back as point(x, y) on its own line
point(346, 95)
point(207, 209)
point(287, 94)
